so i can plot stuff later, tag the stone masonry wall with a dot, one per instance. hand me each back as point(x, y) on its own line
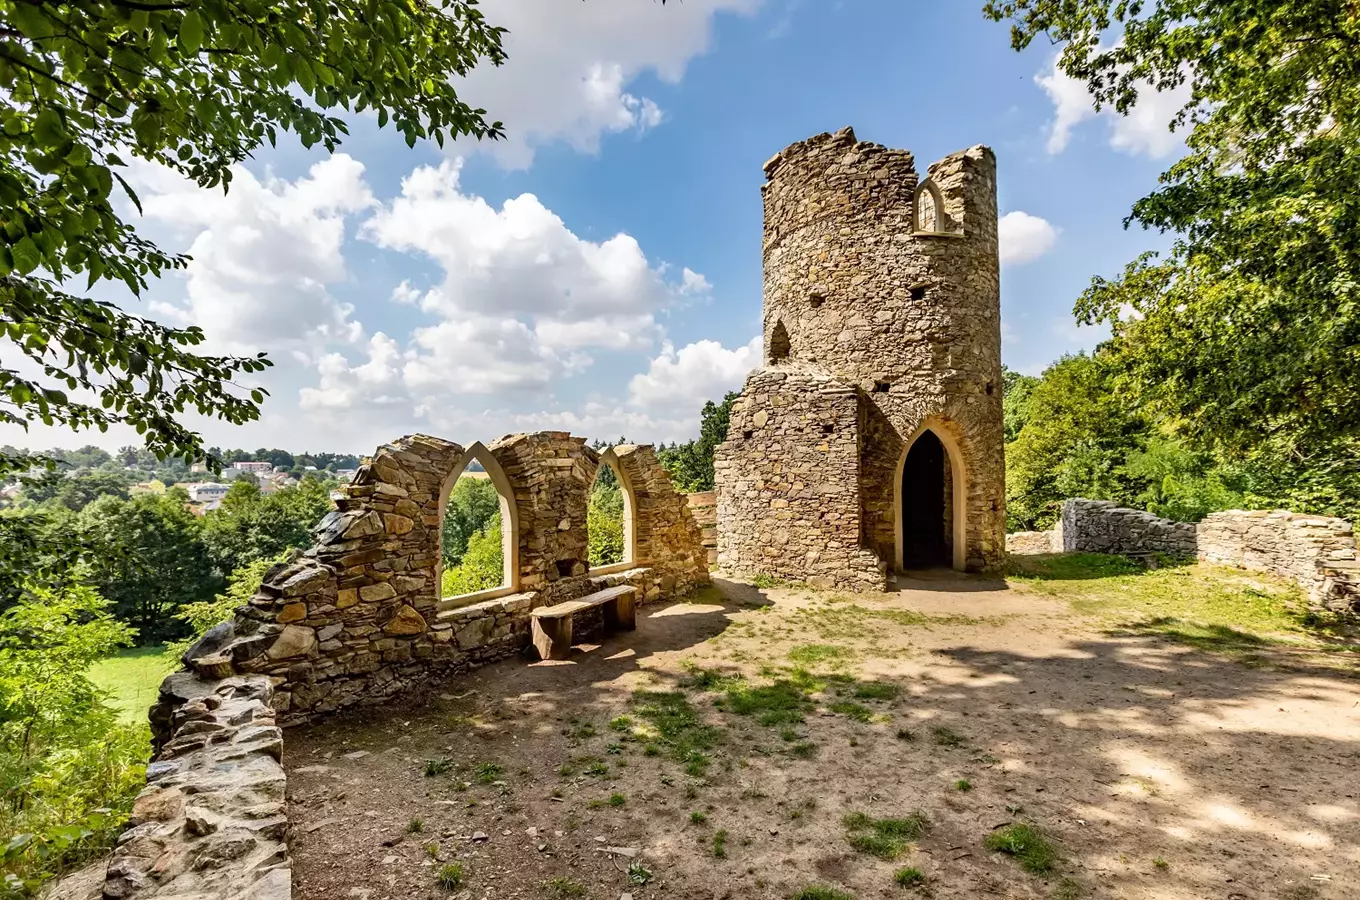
point(358, 617)
point(788, 502)
point(1098, 526)
point(1316, 552)
point(211, 820)
point(907, 320)
point(704, 506)
point(355, 619)
point(1026, 543)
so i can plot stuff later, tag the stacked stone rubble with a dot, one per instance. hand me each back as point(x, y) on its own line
point(1098, 526)
point(1316, 552)
point(211, 820)
point(907, 325)
point(1024, 543)
point(704, 506)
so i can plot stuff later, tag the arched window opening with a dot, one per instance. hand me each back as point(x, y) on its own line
point(476, 534)
point(780, 346)
point(609, 518)
point(927, 504)
point(928, 209)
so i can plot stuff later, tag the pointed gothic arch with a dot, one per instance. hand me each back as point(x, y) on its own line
point(955, 514)
point(927, 209)
point(509, 527)
point(780, 345)
point(630, 532)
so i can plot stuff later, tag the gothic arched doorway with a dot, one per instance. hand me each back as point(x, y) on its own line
point(926, 504)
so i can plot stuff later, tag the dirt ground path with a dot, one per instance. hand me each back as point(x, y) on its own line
point(1154, 769)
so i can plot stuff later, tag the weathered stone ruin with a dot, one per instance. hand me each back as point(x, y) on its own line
point(1317, 553)
point(359, 618)
point(871, 441)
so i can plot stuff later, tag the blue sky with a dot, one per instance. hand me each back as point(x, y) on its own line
point(599, 271)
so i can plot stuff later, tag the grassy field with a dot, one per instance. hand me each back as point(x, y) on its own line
point(132, 678)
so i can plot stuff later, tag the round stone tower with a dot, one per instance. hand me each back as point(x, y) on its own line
point(886, 281)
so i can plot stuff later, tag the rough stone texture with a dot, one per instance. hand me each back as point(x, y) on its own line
point(211, 821)
point(1098, 526)
point(358, 617)
point(1316, 552)
point(704, 506)
point(873, 331)
point(1024, 543)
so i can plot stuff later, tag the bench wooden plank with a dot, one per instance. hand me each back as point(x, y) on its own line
point(568, 607)
point(551, 625)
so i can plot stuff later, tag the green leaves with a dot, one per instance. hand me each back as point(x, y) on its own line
point(191, 32)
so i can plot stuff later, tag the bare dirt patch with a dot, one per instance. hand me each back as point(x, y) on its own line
point(752, 743)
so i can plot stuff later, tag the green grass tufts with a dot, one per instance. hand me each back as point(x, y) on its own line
point(1027, 844)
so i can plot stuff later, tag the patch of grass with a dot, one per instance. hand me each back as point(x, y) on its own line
point(581, 730)
point(764, 581)
point(719, 844)
point(850, 709)
point(811, 654)
point(1209, 607)
point(855, 622)
point(675, 725)
point(947, 737)
point(804, 749)
point(1161, 864)
point(821, 892)
point(616, 799)
point(875, 690)
point(638, 873)
point(701, 679)
point(698, 818)
point(1027, 844)
point(437, 766)
point(963, 785)
point(909, 876)
point(562, 888)
point(415, 826)
point(621, 723)
point(1068, 889)
point(450, 876)
point(905, 734)
point(432, 849)
point(884, 838)
point(487, 772)
point(133, 679)
point(782, 702)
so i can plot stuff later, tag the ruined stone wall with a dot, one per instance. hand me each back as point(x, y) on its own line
point(704, 506)
point(211, 820)
point(909, 320)
point(1098, 526)
point(1316, 552)
point(1026, 543)
point(788, 503)
point(358, 617)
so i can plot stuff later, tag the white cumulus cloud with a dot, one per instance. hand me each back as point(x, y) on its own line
point(571, 64)
point(1145, 131)
point(1023, 237)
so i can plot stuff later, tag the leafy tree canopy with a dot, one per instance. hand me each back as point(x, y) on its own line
point(691, 464)
point(1248, 330)
point(89, 85)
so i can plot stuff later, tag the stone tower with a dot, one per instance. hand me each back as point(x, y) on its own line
point(871, 441)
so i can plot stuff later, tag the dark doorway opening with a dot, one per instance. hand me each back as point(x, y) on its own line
point(924, 521)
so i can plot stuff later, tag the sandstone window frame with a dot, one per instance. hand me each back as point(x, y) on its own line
point(929, 188)
point(510, 583)
point(958, 468)
point(630, 543)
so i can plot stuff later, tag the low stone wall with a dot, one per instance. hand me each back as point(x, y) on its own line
point(1029, 543)
point(1316, 552)
point(211, 821)
point(704, 506)
point(358, 618)
point(1098, 526)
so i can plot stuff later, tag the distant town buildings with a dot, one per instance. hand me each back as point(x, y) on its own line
point(205, 491)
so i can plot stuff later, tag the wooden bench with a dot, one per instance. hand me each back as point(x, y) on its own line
point(552, 624)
